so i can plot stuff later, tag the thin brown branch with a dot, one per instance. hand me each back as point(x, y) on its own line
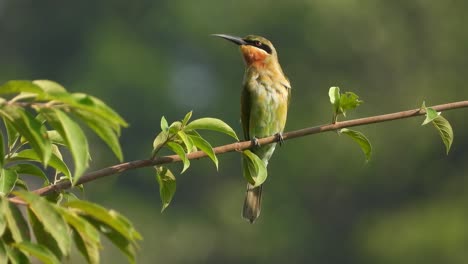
point(239, 146)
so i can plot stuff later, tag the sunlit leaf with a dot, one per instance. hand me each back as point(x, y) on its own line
point(20, 86)
point(3, 253)
point(213, 124)
point(3, 223)
point(30, 155)
point(204, 146)
point(12, 134)
point(334, 94)
point(8, 180)
point(31, 129)
point(431, 114)
point(104, 129)
point(175, 127)
point(179, 150)
point(126, 246)
point(445, 131)
point(73, 136)
point(15, 256)
point(159, 141)
point(16, 224)
point(86, 236)
point(255, 171)
point(2, 150)
point(164, 124)
point(349, 101)
point(109, 217)
point(42, 236)
point(167, 186)
point(48, 215)
point(187, 118)
point(186, 140)
point(361, 139)
point(39, 251)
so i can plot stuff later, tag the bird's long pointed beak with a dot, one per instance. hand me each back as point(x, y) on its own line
point(234, 39)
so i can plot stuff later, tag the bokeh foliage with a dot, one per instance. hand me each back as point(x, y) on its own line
point(321, 203)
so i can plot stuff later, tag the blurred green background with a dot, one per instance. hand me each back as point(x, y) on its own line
point(322, 203)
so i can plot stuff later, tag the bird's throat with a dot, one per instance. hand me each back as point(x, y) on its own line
point(254, 56)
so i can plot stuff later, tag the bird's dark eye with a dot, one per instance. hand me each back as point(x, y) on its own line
point(258, 43)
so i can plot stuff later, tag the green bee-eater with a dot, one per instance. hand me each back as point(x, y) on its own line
point(264, 105)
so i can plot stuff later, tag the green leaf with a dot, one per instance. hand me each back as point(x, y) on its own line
point(431, 114)
point(12, 134)
point(164, 124)
point(179, 150)
point(160, 141)
point(204, 146)
point(3, 253)
point(109, 217)
point(187, 118)
point(445, 131)
point(31, 129)
point(186, 140)
point(334, 94)
point(104, 129)
point(39, 251)
point(8, 180)
point(213, 124)
point(73, 136)
point(56, 138)
point(175, 127)
point(125, 245)
point(30, 155)
point(362, 141)
point(30, 169)
point(42, 236)
point(20, 86)
point(348, 101)
point(15, 256)
point(3, 223)
point(255, 170)
point(94, 105)
point(85, 235)
point(2, 150)
point(49, 216)
point(49, 86)
point(167, 186)
point(17, 225)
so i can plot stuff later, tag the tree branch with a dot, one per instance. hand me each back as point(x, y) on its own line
point(239, 146)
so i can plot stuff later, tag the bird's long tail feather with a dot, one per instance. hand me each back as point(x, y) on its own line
point(252, 203)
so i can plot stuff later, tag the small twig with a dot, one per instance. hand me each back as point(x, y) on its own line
point(239, 146)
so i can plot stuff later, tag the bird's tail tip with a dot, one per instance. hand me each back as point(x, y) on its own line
point(252, 203)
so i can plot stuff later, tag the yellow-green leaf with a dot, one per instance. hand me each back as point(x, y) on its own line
point(39, 251)
point(254, 168)
point(167, 186)
point(204, 146)
point(213, 124)
point(445, 131)
point(50, 218)
point(179, 150)
point(73, 136)
point(361, 139)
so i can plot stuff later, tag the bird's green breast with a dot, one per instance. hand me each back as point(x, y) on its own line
point(267, 107)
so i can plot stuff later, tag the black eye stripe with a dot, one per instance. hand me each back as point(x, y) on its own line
point(260, 45)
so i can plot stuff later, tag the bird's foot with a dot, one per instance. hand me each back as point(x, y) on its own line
point(279, 138)
point(255, 142)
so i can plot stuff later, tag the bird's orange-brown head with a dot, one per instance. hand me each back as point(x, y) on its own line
point(257, 51)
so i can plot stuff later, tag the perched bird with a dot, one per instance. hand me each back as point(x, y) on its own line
point(264, 105)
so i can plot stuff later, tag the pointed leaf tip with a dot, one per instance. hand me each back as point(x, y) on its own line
point(361, 139)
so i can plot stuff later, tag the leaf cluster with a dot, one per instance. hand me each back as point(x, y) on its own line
point(182, 138)
point(41, 120)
